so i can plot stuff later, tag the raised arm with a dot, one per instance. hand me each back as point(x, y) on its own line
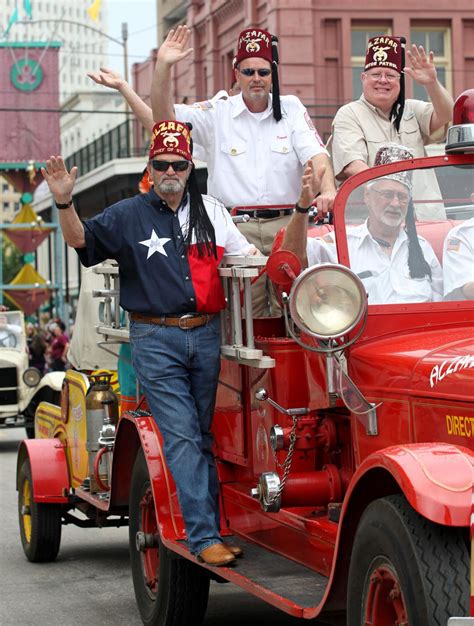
point(61, 183)
point(422, 69)
point(324, 181)
point(297, 229)
point(172, 50)
point(112, 79)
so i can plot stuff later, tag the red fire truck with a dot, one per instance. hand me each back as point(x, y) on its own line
point(344, 433)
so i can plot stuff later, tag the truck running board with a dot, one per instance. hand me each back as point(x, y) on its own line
point(291, 587)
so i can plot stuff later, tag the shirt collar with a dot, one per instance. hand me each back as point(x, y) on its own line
point(362, 233)
point(373, 108)
point(239, 106)
point(159, 203)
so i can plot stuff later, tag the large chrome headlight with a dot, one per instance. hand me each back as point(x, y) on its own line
point(327, 301)
point(31, 376)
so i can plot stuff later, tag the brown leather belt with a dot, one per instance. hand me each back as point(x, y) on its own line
point(185, 322)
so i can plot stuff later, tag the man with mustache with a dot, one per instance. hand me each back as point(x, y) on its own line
point(256, 143)
point(168, 244)
point(394, 263)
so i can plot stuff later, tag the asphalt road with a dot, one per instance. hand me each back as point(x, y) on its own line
point(90, 582)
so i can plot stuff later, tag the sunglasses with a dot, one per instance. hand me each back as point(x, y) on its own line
point(248, 71)
point(389, 195)
point(162, 166)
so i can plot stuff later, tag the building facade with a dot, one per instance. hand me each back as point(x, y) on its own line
point(321, 44)
point(83, 48)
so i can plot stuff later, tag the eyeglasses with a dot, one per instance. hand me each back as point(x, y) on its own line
point(162, 166)
point(248, 71)
point(389, 195)
point(390, 78)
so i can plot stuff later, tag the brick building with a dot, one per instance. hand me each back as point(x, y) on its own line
point(322, 44)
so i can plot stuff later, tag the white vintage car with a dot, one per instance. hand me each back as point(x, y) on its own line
point(22, 387)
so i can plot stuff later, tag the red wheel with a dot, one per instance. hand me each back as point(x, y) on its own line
point(40, 524)
point(170, 591)
point(147, 543)
point(405, 570)
point(385, 603)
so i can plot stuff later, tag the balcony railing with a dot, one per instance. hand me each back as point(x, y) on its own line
point(114, 144)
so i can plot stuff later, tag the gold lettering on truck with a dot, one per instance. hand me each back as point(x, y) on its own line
point(460, 425)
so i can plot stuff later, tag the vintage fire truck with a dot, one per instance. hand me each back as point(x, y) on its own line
point(344, 435)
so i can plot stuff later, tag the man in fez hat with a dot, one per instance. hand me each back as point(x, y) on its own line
point(256, 143)
point(382, 114)
point(168, 244)
point(394, 263)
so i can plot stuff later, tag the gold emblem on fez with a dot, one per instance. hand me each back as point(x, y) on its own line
point(380, 55)
point(170, 139)
point(253, 45)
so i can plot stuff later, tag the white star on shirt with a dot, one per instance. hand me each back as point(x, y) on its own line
point(155, 244)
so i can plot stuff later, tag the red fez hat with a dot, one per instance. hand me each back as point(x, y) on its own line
point(389, 52)
point(170, 137)
point(254, 42)
point(384, 51)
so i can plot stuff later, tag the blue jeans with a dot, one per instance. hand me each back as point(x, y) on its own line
point(178, 371)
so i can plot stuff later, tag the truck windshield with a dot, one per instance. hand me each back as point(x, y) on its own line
point(410, 235)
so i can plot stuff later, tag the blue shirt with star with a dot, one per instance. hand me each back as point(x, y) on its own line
point(144, 236)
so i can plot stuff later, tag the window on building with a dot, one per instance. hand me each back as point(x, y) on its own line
point(360, 36)
point(17, 207)
point(437, 39)
point(6, 206)
point(5, 187)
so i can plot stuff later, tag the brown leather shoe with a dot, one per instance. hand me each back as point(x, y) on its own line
point(217, 555)
point(236, 551)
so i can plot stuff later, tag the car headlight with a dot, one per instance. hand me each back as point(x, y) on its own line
point(327, 301)
point(31, 376)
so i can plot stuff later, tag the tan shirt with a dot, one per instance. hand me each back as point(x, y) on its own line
point(359, 129)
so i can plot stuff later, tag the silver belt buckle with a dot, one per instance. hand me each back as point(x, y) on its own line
point(184, 317)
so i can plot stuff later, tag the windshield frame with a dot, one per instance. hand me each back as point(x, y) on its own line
point(372, 173)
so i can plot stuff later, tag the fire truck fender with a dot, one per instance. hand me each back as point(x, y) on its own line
point(435, 478)
point(49, 473)
point(133, 434)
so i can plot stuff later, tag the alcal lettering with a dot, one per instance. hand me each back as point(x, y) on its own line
point(450, 366)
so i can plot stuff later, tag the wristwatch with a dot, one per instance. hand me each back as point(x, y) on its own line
point(300, 209)
point(63, 205)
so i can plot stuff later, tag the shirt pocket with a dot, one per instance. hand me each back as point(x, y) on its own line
point(283, 155)
point(410, 135)
point(233, 155)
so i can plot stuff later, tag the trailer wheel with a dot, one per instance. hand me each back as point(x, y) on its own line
point(40, 524)
point(405, 569)
point(170, 591)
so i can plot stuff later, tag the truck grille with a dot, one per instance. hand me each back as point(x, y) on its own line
point(8, 380)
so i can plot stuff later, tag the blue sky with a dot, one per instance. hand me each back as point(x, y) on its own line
point(140, 16)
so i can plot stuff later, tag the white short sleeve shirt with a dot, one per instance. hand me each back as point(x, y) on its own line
point(386, 279)
point(252, 159)
point(458, 256)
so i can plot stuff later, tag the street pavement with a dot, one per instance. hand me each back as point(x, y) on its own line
point(90, 582)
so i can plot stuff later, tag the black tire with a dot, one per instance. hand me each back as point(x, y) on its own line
point(40, 524)
point(428, 564)
point(179, 593)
